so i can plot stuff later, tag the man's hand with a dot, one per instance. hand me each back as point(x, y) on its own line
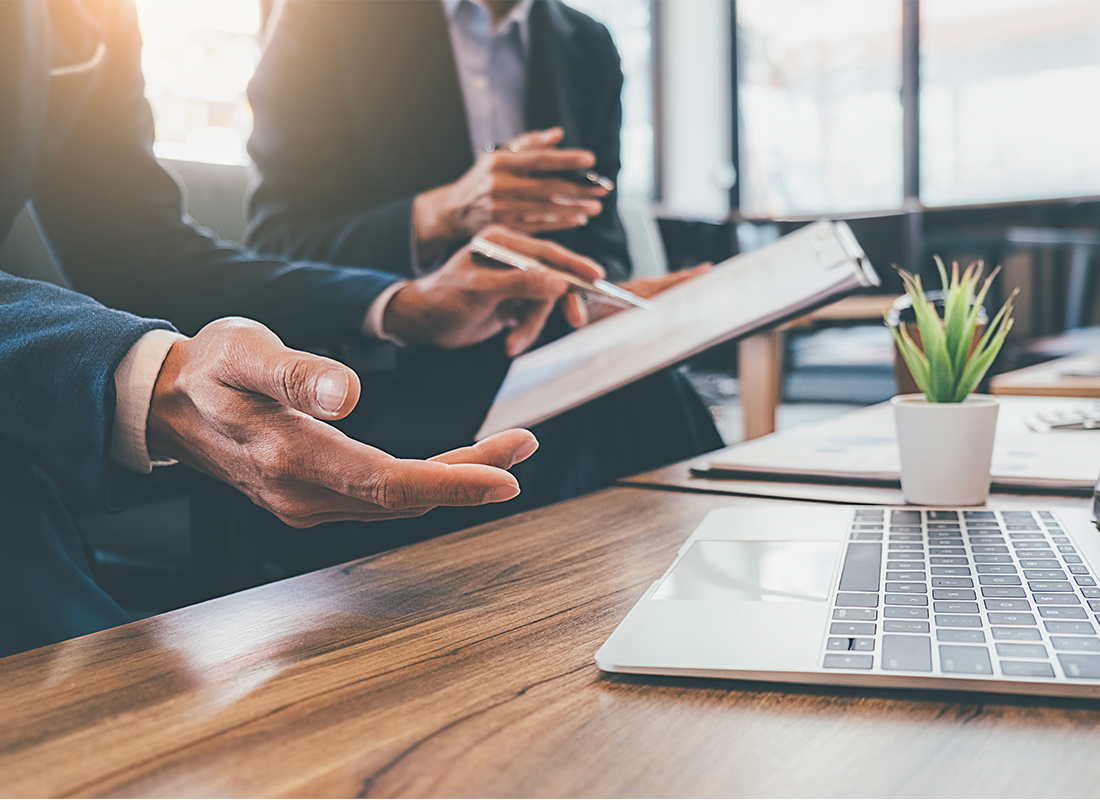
point(233, 402)
point(466, 302)
point(509, 187)
point(647, 287)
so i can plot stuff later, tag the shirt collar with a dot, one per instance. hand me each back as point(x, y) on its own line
point(520, 14)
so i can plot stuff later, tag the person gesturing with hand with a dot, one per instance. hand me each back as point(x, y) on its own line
point(520, 184)
point(235, 403)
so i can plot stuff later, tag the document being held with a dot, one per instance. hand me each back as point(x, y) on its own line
point(801, 271)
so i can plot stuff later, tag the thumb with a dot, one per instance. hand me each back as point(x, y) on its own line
point(314, 385)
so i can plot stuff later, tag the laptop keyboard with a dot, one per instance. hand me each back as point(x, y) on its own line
point(964, 593)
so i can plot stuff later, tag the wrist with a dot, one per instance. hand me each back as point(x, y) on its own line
point(430, 222)
point(407, 315)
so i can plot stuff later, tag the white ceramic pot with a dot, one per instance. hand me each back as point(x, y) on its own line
point(946, 449)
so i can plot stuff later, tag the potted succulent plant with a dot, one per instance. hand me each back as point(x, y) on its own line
point(945, 434)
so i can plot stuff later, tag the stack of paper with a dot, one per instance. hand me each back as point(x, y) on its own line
point(861, 448)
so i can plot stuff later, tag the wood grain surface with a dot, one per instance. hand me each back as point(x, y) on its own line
point(463, 667)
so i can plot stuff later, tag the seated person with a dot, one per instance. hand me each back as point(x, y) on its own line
point(87, 392)
point(372, 128)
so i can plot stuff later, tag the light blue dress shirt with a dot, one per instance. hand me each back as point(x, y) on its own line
point(492, 68)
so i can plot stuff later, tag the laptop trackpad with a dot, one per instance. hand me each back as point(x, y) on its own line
point(775, 571)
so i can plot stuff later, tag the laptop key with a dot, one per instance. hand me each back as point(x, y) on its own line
point(1044, 574)
point(1083, 643)
point(848, 661)
point(1017, 634)
point(1062, 612)
point(1021, 650)
point(906, 600)
point(862, 566)
point(1027, 669)
point(954, 635)
point(1002, 618)
point(1003, 591)
point(1058, 599)
point(1084, 580)
point(958, 621)
point(857, 599)
point(870, 536)
point(996, 569)
point(987, 548)
point(1080, 666)
point(999, 580)
point(904, 517)
point(1039, 563)
point(1073, 628)
point(953, 594)
point(955, 608)
point(946, 551)
point(904, 612)
point(852, 629)
point(905, 576)
point(907, 588)
point(949, 561)
point(965, 660)
point(1090, 592)
point(1075, 560)
point(1007, 605)
point(954, 583)
point(855, 613)
point(904, 626)
point(1050, 586)
point(1077, 569)
point(907, 653)
point(955, 571)
point(986, 558)
point(905, 565)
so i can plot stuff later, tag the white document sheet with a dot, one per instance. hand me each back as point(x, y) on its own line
point(862, 447)
point(801, 271)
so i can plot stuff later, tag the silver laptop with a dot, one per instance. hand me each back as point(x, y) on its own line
point(968, 599)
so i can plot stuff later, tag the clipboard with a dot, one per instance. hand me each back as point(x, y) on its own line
point(790, 277)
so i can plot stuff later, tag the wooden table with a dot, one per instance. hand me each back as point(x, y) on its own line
point(463, 667)
point(1072, 376)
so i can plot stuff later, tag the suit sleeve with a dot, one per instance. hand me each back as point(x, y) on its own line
point(308, 202)
point(58, 354)
point(113, 216)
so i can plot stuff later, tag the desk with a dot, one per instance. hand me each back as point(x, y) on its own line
point(1050, 379)
point(463, 667)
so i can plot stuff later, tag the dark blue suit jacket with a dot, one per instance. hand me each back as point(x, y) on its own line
point(358, 109)
point(76, 143)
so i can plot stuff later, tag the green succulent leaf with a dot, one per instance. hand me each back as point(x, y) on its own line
point(947, 365)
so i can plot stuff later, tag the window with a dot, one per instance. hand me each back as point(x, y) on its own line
point(1010, 100)
point(820, 113)
point(630, 25)
point(198, 57)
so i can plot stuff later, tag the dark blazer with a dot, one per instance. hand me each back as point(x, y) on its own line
point(358, 109)
point(76, 139)
point(76, 143)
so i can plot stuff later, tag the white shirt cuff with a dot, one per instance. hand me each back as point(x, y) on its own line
point(134, 381)
point(372, 325)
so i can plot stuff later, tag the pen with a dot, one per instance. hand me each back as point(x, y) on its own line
point(585, 177)
point(599, 289)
